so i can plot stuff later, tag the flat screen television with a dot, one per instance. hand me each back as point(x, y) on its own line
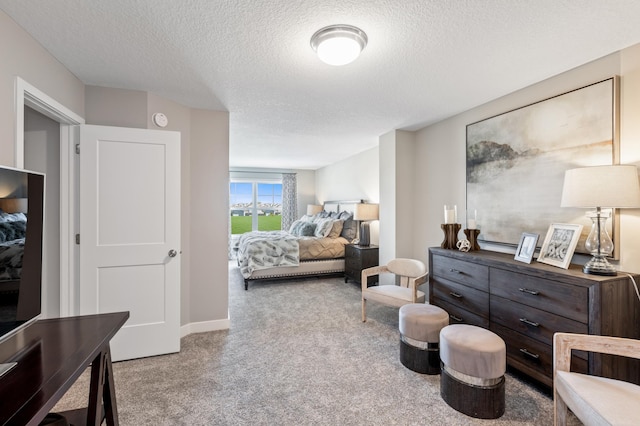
point(21, 232)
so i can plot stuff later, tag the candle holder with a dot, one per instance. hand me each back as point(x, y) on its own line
point(450, 235)
point(472, 236)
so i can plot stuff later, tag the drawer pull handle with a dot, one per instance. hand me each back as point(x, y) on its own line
point(456, 295)
point(529, 354)
point(455, 318)
point(455, 271)
point(531, 323)
point(526, 290)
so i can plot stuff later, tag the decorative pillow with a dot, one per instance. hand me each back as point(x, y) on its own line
point(300, 228)
point(349, 229)
point(323, 227)
point(307, 229)
point(344, 215)
point(306, 218)
point(295, 226)
point(336, 229)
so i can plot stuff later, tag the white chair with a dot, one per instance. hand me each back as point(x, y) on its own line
point(594, 400)
point(411, 273)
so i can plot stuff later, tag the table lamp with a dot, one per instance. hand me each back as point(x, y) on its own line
point(313, 209)
point(364, 213)
point(601, 187)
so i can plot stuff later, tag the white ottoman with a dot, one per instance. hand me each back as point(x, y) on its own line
point(420, 326)
point(474, 361)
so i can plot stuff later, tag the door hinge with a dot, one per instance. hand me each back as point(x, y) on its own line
point(77, 238)
point(77, 148)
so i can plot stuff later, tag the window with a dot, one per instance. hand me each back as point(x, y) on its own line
point(255, 205)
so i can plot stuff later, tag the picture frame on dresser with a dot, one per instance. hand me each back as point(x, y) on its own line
point(559, 244)
point(526, 247)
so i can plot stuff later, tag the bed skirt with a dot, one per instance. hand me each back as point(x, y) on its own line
point(305, 268)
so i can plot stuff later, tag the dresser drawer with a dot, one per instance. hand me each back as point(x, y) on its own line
point(462, 272)
point(532, 322)
point(460, 295)
point(533, 357)
point(571, 301)
point(458, 315)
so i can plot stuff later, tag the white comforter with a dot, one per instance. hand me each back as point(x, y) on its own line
point(267, 249)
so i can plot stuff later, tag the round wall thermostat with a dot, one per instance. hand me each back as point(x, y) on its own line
point(160, 120)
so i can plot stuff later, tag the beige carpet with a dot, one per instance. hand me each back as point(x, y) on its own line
point(297, 353)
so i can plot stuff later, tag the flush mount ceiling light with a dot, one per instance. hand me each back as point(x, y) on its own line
point(338, 44)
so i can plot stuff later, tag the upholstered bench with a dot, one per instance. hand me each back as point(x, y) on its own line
point(420, 326)
point(474, 361)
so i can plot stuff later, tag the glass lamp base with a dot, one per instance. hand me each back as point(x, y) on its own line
point(599, 266)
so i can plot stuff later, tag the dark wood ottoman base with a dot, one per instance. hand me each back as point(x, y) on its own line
point(424, 361)
point(474, 401)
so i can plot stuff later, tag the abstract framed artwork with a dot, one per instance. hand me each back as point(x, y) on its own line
point(559, 244)
point(526, 247)
point(516, 161)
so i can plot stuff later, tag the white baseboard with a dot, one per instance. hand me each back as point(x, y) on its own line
point(203, 326)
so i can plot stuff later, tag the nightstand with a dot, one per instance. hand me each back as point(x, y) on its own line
point(357, 258)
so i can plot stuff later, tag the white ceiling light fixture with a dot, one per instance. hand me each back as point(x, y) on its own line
point(338, 44)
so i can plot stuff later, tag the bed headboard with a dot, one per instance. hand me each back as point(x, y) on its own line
point(342, 205)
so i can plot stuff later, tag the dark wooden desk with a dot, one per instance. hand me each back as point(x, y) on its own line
point(51, 355)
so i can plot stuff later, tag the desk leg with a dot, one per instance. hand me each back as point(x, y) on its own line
point(109, 396)
point(102, 390)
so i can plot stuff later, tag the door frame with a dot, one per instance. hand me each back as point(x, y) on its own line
point(28, 95)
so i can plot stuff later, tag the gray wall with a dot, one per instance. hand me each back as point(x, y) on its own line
point(442, 172)
point(203, 284)
point(22, 56)
point(42, 154)
point(204, 179)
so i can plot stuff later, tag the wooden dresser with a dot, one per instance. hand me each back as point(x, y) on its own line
point(526, 304)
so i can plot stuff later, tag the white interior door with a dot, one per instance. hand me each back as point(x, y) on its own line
point(130, 235)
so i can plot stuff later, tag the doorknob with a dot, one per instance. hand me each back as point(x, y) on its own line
point(173, 253)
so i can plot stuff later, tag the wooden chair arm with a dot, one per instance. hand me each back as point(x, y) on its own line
point(563, 343)
point(415, 283)
point(374, 270)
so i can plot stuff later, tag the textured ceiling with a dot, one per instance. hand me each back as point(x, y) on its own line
point(426, 60)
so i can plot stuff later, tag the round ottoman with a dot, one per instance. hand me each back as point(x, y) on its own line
point(420, 326)
point(474, 361)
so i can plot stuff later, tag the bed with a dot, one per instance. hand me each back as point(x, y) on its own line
point(312, 246)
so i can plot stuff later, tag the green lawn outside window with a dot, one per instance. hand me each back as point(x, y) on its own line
point(242, 224)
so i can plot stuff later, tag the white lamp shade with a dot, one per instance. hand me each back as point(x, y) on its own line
point(601, 186)
point(313, 209)
point(366, 212)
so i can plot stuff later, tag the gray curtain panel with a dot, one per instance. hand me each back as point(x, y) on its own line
point(289, 200)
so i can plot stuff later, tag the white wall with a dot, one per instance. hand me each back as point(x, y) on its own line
point(355, 178)
point(440, 149)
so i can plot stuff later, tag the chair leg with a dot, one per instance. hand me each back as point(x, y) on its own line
point(364, 310)
point(559, 410)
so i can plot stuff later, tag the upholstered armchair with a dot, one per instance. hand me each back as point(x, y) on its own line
point(410, 274)
point(594, 400)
